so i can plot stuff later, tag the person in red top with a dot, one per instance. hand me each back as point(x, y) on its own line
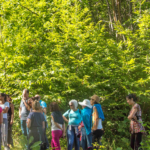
point(135, 117)
point(1, 121)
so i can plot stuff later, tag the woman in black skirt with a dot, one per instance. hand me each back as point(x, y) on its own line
point(36, 124)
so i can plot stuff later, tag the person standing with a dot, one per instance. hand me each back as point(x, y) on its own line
point(10, 120)
point(5, 106)
point(97, 118)
point(136, 126)
point(1, 121)
point(36, 124)
point(57, 126)
point(24, 112)
point(43, 106)
point(74, 121)
point(86, 132)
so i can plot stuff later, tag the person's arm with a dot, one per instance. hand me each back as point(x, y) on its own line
point(44, 110)
point(56, 124)
point(1, 118)
point(66, 115)
point(26, 105)
point(65, 119)
point(132, 115)
point(81, 125)
point(96, 119)
point(64, 133)
point(19, 112)
point(28, 123)
point(12, 115)
point(5, 110)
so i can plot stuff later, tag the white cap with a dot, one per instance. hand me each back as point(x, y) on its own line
point(86, 103)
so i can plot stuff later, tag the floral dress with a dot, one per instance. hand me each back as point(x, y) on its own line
point(136, 126)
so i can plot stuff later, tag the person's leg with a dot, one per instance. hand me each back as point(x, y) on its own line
point(6, 131)
point(23, 127)
point(26, 128)
point(52, 141)
point(89, 141)
point(10, 140)
point(96, 136)
point(70, 138)
point(83, 139)
point(99, 135)
point(138, 140)
point(132, 140)
point(76, 139)
point(46, 140)
point(0, 137)
point(56, 135)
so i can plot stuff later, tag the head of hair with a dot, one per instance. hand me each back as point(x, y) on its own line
point(38, 96)
point(53, 107)
point(26, 90)
point(35, 105)
point(4, 95)
point(130, 96)
point(74, 103)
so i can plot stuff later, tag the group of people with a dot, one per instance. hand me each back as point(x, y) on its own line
point(84, 126)
point(6, 120)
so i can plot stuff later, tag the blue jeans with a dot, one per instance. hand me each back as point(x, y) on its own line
point(25, 130)
point(86, 140)
point(72, 139)
point(46, 140)
point(4, 132)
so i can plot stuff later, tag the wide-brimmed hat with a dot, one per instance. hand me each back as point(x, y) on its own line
point(95, 98)
point(86, 103)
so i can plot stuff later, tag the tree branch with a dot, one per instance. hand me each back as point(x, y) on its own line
point(29, 10)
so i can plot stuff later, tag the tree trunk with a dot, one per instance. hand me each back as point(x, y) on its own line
point(110, 18)
point(114, 10)
point(130, 14)
point(119, 10)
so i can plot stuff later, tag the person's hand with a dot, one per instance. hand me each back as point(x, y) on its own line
point(23, 100)
point(11, 122)
point(19, 116)
point(64, 134)
point(79, 127)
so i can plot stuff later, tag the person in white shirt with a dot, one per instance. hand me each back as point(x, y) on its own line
point(5, 106)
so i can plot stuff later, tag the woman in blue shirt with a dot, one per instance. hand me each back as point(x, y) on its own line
point(86, 140)
point(74, 120)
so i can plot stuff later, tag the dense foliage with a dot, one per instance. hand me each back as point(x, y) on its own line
point(73, 49)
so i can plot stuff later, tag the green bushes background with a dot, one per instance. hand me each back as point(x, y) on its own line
point(73, 49)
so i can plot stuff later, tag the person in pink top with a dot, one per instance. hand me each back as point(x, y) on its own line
point(136, 125)
point(1, 121)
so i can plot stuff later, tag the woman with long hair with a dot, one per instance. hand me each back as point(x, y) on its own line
point(10, 120)
point(5, 106)
point(135, 117)
point(57, 126)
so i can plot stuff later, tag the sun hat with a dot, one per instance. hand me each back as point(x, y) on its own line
point(86, 103)
point(95, 98)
